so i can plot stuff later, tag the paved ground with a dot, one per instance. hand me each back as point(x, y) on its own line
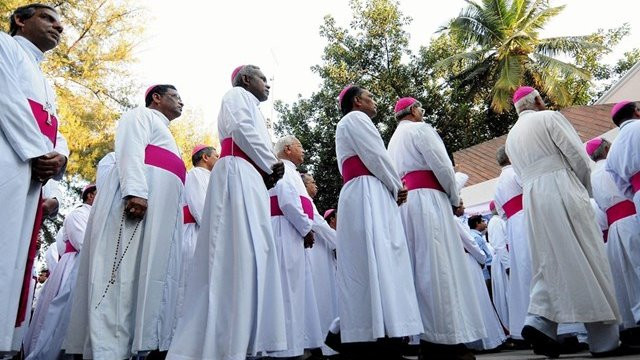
point(529, 355)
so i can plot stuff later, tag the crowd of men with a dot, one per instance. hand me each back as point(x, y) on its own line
point(232, 260)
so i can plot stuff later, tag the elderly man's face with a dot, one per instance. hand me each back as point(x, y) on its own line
point(257, 85)
point(310, 185)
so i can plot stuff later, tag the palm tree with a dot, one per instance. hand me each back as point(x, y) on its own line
point(504, 50)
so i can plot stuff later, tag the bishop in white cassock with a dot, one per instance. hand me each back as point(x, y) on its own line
point(567, 285)
point(292, 220)
point(508, 198)
point(33, 151)
point(234, 293)
point(323, 264)
point(622, 235)
point(497, 232)
point(450, 315)
point(136, 223)
point(51, 316)
point(376, 292)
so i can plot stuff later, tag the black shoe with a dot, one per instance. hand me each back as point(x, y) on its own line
point(571, 345)
point(542, 344)
point(621, 350)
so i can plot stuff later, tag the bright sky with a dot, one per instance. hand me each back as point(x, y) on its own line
point(195, 44)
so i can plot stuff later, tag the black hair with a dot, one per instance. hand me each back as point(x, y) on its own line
point(24, 13)
point(346, 103)
point(86, 193)
point(475, 220)
point(195, 159)
point(625, 113)
point(158, 89)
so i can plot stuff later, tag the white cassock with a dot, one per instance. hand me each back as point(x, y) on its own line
point(26, 133)
point(497, 231)
point(509, 195)
point(51, 257)
point(323, 273)
point(195, 191)
point(476, 258)
point(567, 285)
point(50, 319)
point(120, 300)
point(292, 219)
point(623, 242)
point(234, 293)
point(376, 293)
point(450, 315)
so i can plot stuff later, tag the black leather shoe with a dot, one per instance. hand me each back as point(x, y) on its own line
point(542, 344)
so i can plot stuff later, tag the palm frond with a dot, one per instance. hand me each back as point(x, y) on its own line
point(566, 45)
point(473, 56)
point(538, 19)
point(510, 73)
point(545, 62)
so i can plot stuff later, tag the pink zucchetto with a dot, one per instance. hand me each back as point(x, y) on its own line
point(344, 91)
point(492, 205)
point(87, 188)
point(146, 93)
point(328, 213)
point(235, 72)
point(198, 148)
point(404, 103)
point(522, 92)
point(619, 106)
point(592, 145)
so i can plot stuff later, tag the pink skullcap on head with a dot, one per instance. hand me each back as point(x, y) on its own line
point(619, 106)
point(146, 93)
point(522, 92)
point(328, 213)
point(198, 148)
point(87, 188)
point(492, 205)
point(404, 103)
point(344, 91)
point(592, 145)
point(235, 72)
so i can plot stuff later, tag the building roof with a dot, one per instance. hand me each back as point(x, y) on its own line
point(479, 161)
point(627, 87)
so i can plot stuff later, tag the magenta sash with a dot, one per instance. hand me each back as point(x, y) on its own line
point(352, 168)
point(188, 217)
point(620, 210)
point(635, 182)
point(50, 131)
point(513, 206)
point(69, 248)
point(166, 160)
point(422, 179)
point(229, 148)
point(307, 206)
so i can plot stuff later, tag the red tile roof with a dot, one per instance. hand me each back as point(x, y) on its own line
point(479, 161)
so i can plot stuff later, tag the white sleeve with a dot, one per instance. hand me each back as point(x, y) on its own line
point(568, 142)
point(429, 145)
point(323, 231)
point(367, 143)
point(16, 118)
point(470, 244)
point(75, 225)
point(62, 147)
point(244, 134)
point(195, 193)
point(132, 138)
point(289, 202)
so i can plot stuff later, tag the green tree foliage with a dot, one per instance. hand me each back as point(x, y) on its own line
point(504, 49)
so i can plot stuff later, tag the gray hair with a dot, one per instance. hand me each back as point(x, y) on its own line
point(527, 102)
point(283, 142)
point(406, 111)
point(502, 157)
point(601, 152)
point(248, 70)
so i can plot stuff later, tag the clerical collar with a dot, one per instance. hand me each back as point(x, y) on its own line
point(626, 122)
point(253, 98)
point(30, 48)
point(525, 112)
point(164, 118)
point(289, 163)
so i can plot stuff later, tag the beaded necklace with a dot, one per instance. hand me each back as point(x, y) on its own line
point(118, 260)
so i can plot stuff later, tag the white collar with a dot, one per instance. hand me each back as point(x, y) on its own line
point(161, 115)
point(30, 48)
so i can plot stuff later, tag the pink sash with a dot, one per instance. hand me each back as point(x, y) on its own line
point(166, 160)
point(69, 248)
point(620, 210)
point(188, 217)
point(42, 118)
point(352, 168)
point(422, 179)
point(635, 182)
point(513, 206)
point(307, 206)
point(229, 148)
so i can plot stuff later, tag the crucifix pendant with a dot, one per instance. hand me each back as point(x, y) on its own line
point(48, 108)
